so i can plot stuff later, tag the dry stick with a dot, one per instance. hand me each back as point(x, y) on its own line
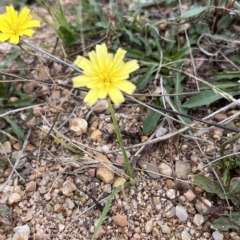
point(167, 136)
point(52, 56)
point(194, 118)
point(20, 109)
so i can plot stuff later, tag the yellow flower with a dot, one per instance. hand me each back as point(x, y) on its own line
point(14, 25)
point(105, 74)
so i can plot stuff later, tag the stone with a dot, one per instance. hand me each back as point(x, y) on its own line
point(234, 236)
point(165, 229)
point(161, 131)
point(100, 233)
point(2, 237)
point(78, 126)
point(38, 111)
point(30, 186)
point(28, 216)
point(172, 193)
point(182, 170)
point(149, 226)
point(67, 188)
point(31, 123)
point(220, 117)
point(198, 219)
point(170, 211)
point(19, 155)
point(185, 235)
point(217, 235)
point(165, 169)
point(103, 173)
point(41, 235)
point(119, 181)
point(201, 207)
point(21, 232)
point(150, 169)
point(96, 135)
point(100, 106)
point(190, 195)
point(58, 208)
point(181, 213)
point(120, 220)
point(14, 198)
point(6, 147)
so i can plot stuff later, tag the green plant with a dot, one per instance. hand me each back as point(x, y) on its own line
point(62, 26)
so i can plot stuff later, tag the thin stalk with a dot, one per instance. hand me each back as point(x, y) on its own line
point(119, 137)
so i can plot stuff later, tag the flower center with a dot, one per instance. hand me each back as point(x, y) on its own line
point(105, 79)
point(15, 27)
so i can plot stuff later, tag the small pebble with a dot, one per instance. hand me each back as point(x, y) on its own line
point(198, 219)
point(202, 208)
point(165, 169)
point(149, 226)
point(165, 229)
point(185, 235)
point(217, 235)
point(181, 213)
point(120, 220)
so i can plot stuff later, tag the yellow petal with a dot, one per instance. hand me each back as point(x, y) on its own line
point(101, 50)
point(103, 92)
point(129, 67)
point(27, 32)
point(118, 58)
point(4, 37)
point(125, 86)
point(32, 23)
point(24, 15)
point(102, 57)
point(92, 96)
point(116, 96)
point(80, 81)
point(85, 65)
point(14, 39)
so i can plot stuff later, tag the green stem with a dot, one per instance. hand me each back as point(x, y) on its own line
point(119, 137)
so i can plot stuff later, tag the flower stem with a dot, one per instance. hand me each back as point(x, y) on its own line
point(119, 137)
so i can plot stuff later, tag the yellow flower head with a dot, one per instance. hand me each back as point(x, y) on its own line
point(105, 74)
point(14, 25)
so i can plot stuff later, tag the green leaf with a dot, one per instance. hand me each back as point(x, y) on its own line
point(223, 85)
point(193, 12)
point(177, 103)
point(150, 122)
point(180, 54)
point(105, 210)
point(205, 98)
point(226, 75)
point(21, 102)
point(15, 128)
point(233, 191)
point(224, 22)
point(225, 225)
point(143, 81)
point(209, 185)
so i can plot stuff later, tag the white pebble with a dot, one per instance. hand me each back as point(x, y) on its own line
point(181, 213)
point(185, 235)
point(161, 131)
point(217, 235)
point(198, 219)
point(165, 228)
